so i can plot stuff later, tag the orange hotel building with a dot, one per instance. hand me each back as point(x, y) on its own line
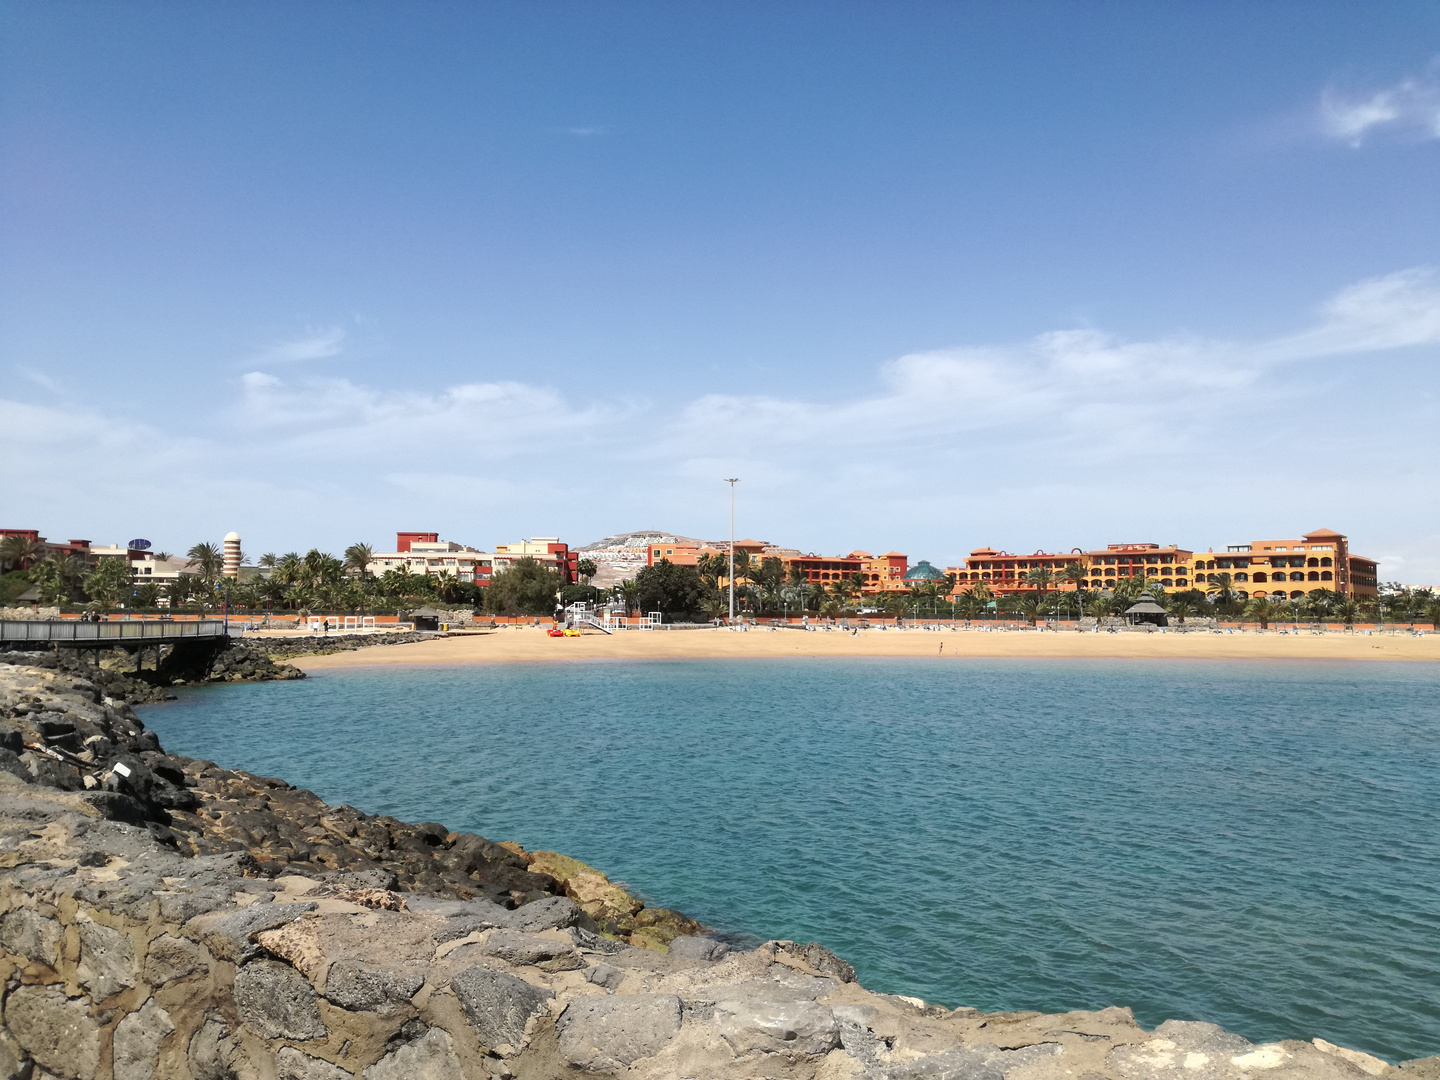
point(881, 573)
point(1262, 568)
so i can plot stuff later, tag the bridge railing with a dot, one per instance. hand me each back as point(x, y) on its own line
point(70, 630)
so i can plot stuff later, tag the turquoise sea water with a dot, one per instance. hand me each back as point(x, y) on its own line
point(1253, 844)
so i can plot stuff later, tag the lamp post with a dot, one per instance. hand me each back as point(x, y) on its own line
point(732, 481)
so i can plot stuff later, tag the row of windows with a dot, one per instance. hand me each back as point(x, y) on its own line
point(1228, 564)
point(1097, 583)
point(1200, 564)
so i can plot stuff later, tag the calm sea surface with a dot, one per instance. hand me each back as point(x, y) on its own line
point(1252, 844)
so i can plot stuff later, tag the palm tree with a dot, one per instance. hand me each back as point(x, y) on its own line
point(320, 568)
point(1221, 587)
point(1432, 612)
point(1103, 605)
point(629, 591)
point(20, 551)
point(1263, 609)
point(446, 585)
point(1031, 603)
point(288, 569)
point(267, 560)
point(208, 560)
point(1321, 603)
point(712, 567)
point(585, 569)
point(109, 582)
point(1041, 578)
point(1076, 574)
point(1181, 609)
point(970, 604)
point(397, 581)
point(358, 557)
point(743, 568)
point(50, 580)
point(272, 592)
point(1349, 611)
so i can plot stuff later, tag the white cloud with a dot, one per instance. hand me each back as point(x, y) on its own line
point(1069, 436)
point(1410, 109)
point(587, 132)
point(1390, 312)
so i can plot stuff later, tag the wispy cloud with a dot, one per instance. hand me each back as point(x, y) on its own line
point(587, 132)
point(40, 379)
point(316, 344)
point(1408, 109)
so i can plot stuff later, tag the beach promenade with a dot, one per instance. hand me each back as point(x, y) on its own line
point(531, 644)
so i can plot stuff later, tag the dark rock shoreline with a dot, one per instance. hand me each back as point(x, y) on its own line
point(163, 917)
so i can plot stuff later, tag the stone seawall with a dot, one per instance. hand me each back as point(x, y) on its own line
point(163, 917)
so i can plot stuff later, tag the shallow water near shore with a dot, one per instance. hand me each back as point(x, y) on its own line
point(1256, 845)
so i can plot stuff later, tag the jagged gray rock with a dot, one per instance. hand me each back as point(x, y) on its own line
point(764, 1019)
point(291, 1064)
point(546, 953)
point(277, 1002)
point(353, 985)
point(498, 1005)
point(214, 1053)
point(170, 958)
point(62, 1034)
point(32, 935)
point(137, 1042)
point(430, 1057)
point(608, 1033)
point(107, 961)
point(699, 948)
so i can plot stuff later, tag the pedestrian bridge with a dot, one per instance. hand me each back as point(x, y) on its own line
point(76, 634)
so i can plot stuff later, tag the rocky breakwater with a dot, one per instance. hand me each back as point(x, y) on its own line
point(172, 919)
point(323, 643)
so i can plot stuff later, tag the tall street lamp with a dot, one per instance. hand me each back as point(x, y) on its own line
point(732, 481)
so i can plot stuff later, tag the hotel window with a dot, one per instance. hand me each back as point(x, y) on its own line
point(1325, 575)
point(1242, 577)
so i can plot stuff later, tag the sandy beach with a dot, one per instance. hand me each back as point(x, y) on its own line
point(530, 644)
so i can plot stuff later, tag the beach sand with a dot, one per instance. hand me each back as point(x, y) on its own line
point(532, 644)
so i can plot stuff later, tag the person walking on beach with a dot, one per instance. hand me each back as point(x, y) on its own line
point(942, 648)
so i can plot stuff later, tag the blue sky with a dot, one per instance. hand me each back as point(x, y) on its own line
point(926, 276)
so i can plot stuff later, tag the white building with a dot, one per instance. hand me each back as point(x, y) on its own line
point(145, 566)
point(435, 557)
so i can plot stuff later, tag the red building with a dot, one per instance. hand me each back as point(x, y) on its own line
point(404, 540)
point(50, 547)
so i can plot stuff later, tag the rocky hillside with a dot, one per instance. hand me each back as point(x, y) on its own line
point(164, 917)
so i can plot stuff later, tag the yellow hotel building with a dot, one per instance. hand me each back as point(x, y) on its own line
point(1287, 569)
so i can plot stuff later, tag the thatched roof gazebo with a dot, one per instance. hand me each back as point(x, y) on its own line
point(1146, 610)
